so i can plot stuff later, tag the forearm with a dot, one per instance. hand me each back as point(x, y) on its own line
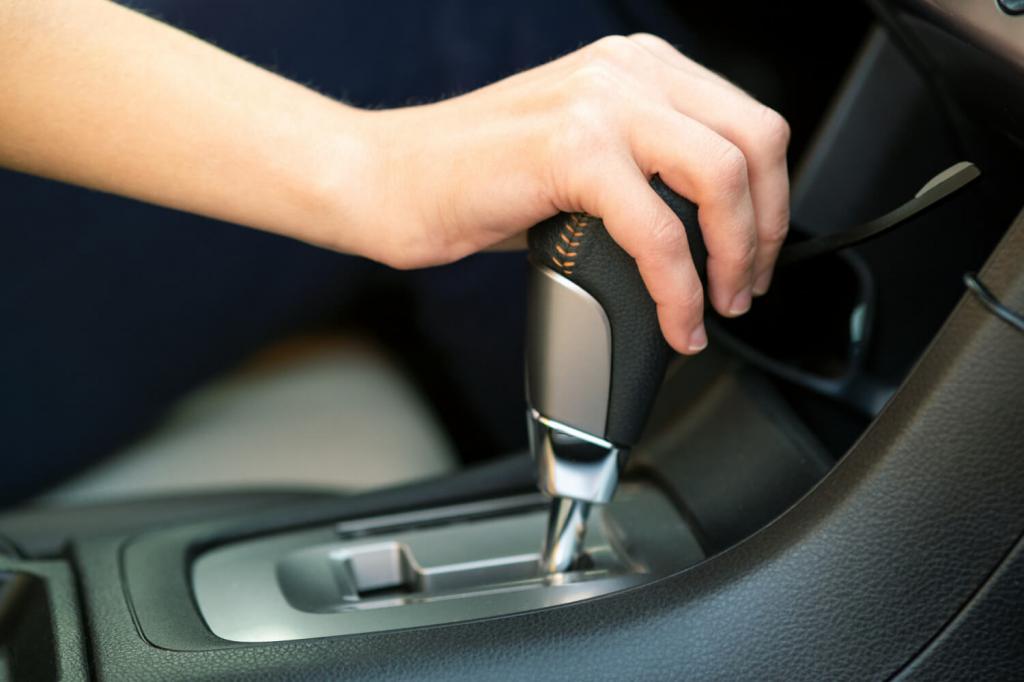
point(98, 95)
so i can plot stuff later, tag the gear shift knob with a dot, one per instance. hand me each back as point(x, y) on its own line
point(595, 359)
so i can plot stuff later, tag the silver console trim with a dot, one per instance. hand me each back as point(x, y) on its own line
point(312, 583)
point(420, 517)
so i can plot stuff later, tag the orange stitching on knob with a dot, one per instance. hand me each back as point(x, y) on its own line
point(573, 228)
point(568, 241)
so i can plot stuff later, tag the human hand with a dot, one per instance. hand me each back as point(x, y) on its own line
point(585, 133)
point(199, 130)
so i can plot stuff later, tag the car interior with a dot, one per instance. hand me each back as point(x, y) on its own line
point(832, 490)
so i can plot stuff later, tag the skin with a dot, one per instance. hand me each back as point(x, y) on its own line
point(101, 96)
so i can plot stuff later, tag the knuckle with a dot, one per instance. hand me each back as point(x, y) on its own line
point(776, 230)
point(738, 253)
point(742, 260)
point(588, 128)
point(614, 48)
point(691, 300)
point(595, 80)
point(746, 252)
point(666, 234)
point(646, 38)
point(773, 129)
point(592, 114)
point(729, 173)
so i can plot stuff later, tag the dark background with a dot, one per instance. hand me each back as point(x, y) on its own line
point(110, 310)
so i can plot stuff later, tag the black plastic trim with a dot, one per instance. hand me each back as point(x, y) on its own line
point(850, 583)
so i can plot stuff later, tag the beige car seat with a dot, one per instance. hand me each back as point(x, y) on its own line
point(324, 414)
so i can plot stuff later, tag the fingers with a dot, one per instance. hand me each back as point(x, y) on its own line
point(771, 201)
point(700, 164)
point(638, 108)
point(651, 233)
point(761, 135)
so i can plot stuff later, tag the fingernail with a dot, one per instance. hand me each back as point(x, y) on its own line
point(764, 280)
point(741, 303)
point(698, 339)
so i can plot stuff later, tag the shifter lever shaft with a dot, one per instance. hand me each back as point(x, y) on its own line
point(577, 470)
point(563, 543)
point(595, 358)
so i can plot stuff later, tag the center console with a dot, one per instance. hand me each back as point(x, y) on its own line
point(752, 536)
point(429, 567)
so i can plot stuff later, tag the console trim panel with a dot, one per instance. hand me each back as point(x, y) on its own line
point(443, 566)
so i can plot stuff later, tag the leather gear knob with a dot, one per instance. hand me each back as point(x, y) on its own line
point(577, 248)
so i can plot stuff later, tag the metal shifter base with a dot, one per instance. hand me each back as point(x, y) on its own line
point(431, 567)
point(563, 542)
point(572, 463)
point(577, 470)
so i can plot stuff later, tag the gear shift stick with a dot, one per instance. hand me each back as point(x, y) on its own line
point(595, 357)
point(595, 354)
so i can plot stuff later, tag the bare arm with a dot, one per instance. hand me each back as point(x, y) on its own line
point(101, 96)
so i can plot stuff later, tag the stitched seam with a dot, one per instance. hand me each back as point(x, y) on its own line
point(570, 237)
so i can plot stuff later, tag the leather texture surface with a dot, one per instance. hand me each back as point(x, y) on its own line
point(579, 247)
point(72, 663)
point(986, 640)
point(732, 438)
point(852, 582)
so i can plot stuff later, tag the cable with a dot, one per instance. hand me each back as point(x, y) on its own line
point(994, 305)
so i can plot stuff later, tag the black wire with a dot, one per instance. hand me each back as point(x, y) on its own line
point(994, 305)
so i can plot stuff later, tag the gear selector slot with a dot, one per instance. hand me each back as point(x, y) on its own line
point(426, 568)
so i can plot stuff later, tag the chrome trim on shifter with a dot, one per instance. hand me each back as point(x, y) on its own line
point(563, 543)
point(568, 353)
point(572, 463)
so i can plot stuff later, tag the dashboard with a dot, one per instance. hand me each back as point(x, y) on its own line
point(974, 51)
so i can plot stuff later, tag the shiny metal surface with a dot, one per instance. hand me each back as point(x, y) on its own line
point(568, 352)
point(311, 583)
point(421, 517)
point(571, 463)
point(948, 181)
point(563, 543)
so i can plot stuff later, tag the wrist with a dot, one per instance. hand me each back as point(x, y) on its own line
point(335, 187)
point(379, 186)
